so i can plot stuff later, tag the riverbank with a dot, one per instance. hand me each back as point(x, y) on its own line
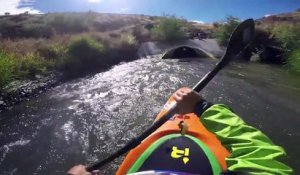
point(29, 71)
point(38, 52)
point(61, 47)
point(74, 45)
point(71, 43)
point(20, 90)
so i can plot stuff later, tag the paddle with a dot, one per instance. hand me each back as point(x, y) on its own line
point(239, 41)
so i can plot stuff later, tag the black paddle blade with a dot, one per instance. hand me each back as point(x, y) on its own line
point(239, 40)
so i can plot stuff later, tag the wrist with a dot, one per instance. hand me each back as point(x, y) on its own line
point(201, 106)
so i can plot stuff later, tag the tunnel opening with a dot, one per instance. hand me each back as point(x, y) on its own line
point(183, 52)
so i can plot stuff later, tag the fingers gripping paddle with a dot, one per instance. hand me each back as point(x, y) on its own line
point(239, 41)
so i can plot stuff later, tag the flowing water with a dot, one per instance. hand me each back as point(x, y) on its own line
point(86, 119)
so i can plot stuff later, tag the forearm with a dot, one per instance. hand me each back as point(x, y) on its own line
point(251, 150)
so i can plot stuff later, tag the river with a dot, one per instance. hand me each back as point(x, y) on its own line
point(86, 119)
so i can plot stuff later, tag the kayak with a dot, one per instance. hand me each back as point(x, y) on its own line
point(182, 144)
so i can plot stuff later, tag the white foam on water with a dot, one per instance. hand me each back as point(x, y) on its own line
point(5, 149)
point(67, 132)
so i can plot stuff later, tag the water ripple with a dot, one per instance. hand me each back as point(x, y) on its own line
point(87, 119)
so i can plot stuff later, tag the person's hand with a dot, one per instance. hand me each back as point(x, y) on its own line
point(80, 170)
point(186, 100)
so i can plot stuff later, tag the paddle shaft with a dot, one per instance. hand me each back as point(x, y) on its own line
point(219, 66)
point(206, 79)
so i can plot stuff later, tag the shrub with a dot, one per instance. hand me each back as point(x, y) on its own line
point(26, 66)
point(55, 54)
point(169, 29)
point(45, 31)
point(29, 65)
point(21, 47)
point(85, 48)
point(149, 26)
point(84, 55)
point(127, 48)
point(30, 31)
point(141, 33)
point(293, 61)
point(266, 47)
point(287, 35)
point(11, 29)
point(223, 31)
point(128, 39)
point(51, 51)
point(289, 38)
point(7, 66)
point(114, 35)
point(262, 39)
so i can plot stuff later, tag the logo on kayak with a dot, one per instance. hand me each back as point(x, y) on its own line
point(177, 153)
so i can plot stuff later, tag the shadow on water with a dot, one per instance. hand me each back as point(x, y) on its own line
point(84, 120)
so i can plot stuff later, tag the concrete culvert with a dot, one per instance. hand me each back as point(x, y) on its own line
point(184, 52)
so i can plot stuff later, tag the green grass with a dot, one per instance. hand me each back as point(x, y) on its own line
point(7, 67)
point(30, 65)
point(287, 35)
point(73, 55)
point(14, 67)
point(289, 38)
point(293, 61)
point(169, 29)
point(52, 52)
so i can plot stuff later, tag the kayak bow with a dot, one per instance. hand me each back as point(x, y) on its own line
point(215, 152)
